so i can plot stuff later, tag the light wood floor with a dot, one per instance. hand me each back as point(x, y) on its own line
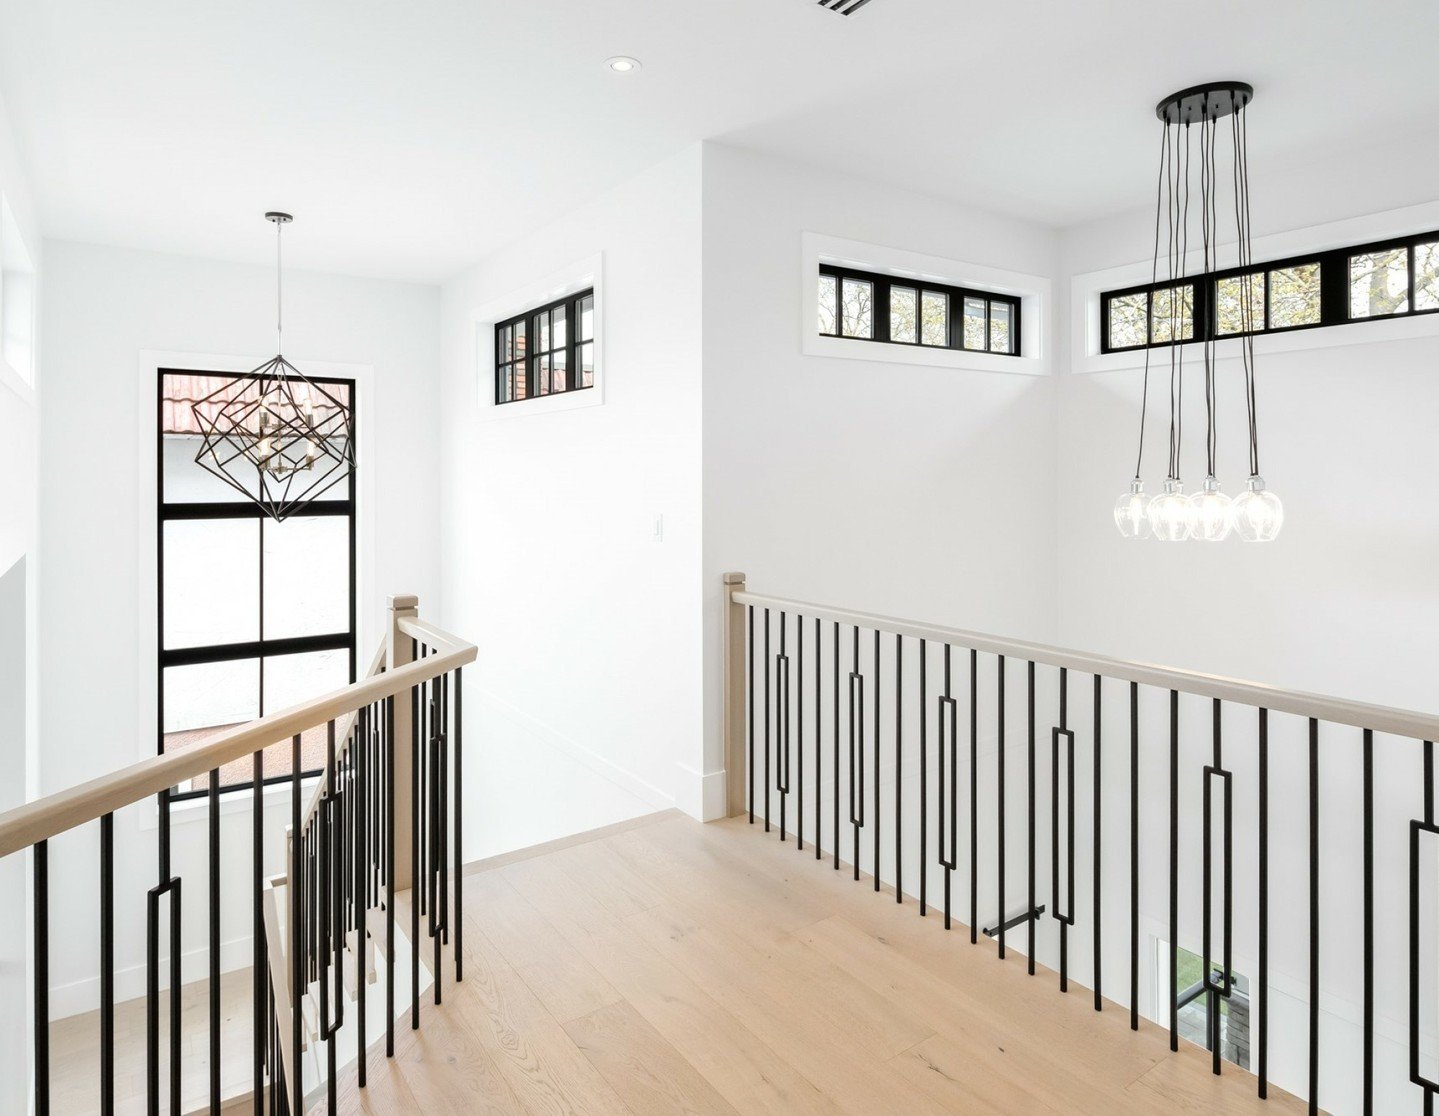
point(679, 967)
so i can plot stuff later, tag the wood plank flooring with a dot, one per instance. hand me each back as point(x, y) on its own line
point(684, 968)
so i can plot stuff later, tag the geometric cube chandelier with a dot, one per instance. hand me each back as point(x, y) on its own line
point(1191, 120)
point(272, 435)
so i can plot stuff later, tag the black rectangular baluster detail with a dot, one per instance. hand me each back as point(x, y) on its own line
point(1062, 913)
point(856, 752)
point(768, 716)
point(296, 889)
point(898, 763)
point(1368, 921)
point(781, 724)
point(388, 747)
point(1173, 869)
point(107, 964)
point(948, 786)
point(974, 798)
point(214, 944)
point(999, 821)
point(1214, 992)
point(328, 1010)
point(835, 728)
point(1134, 856)
point(1098, 817)
point(1262, 1071)
point(799, 739)
point(417, 887)
point(1415, 828)
point(749, 653)
point(432, 879)
point(1313, 915)
point(40, 881)
point(923, 781)
point(457, 727)
point(1029, 720)
point(257, 928)
point(878, 693)
point(818, 764)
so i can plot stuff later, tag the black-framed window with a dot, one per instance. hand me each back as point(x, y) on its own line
point(252, 615)
point(547, 350)
point(870, 306)
point(1357, 283)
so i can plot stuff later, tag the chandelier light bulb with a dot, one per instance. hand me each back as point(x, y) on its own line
point(1131, 512)
point(1258, 514)
point(1171, 515)
point(1212, 512)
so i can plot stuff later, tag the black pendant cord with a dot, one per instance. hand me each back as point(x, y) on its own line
point(1172, 181)
point(279, 290)
point(1239, 135)
point(1207, 193)
point(1153, 278)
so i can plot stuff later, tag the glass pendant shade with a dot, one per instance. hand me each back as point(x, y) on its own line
point(1171, 515)
point(1131, 512)
point(1258, 514)
point(1212, 518)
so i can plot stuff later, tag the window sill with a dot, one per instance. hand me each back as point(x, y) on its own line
point(964, 360)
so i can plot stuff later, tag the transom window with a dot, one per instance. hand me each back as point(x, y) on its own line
point(1364, 282)
point(547, 350)
point(869, 306)
point(254, 615)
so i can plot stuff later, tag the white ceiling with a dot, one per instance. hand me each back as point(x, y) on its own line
point(411, 138)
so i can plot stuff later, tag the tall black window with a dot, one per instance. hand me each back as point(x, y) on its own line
point(1363, 282)
point(547, 350)
point(254, 615)
point(869, 306)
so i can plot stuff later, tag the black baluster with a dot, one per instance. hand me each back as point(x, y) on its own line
point(818, 768)
point(1263, 989)
point(107, 964)
point(768, 715)
point(1214, 993)
point(1173, 869)
point(835, 726)
point(1415, 829)
point(799, 739)
point(1063, 914)
point(457, 727)
point(1368, 921)
point(999, 822)
point(258, 961)
point(388, 747)
point(214, 882)
point(948, 786)
point(1313, 915)
point(974, 797)
point(41, 885)
point(360, 750)
point(1029, 712)
point(297, 884)
point(417, 887)
point(878, 694)
point(781, 715)
point(1134, 856)
point(1098, 814)
point(898, 764)
point(923, 781)
point(856, 749)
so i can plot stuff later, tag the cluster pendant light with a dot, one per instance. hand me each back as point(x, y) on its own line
point(279, 439)
point(1191, 119)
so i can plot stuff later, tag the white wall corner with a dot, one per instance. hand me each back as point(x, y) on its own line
point(700, 794)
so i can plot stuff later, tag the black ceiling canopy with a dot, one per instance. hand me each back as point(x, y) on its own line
point(843, 7)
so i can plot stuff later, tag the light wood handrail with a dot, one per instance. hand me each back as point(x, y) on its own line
point(1339, 711)
point(46, 817)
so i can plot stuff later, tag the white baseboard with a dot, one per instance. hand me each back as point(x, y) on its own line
point(704, 794)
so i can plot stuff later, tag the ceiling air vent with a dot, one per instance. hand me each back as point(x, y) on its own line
point(843, 7)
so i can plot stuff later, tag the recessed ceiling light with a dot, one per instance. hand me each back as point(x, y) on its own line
point(620, 64)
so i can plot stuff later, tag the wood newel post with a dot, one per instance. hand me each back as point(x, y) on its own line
point(733, 712)
point(399, 651)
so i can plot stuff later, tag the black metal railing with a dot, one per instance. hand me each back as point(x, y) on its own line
point(339, 888)
point(880, 717)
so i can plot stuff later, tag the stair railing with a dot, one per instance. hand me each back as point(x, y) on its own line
point(385, 816)
point(881, 707)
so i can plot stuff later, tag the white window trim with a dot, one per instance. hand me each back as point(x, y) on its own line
point(1085, 291)
point(579, 276)
point(150, 361)
point(1034, 291)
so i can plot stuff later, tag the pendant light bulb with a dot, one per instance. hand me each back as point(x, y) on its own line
point(1258, 514)
point(1171, 515)
point(1131, 512)
point(1212, 512)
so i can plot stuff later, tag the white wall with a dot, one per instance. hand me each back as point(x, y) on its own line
point(1342, 603)
point(912, 491)
point(586, 693)
point(19, 570)
point(110, 305)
